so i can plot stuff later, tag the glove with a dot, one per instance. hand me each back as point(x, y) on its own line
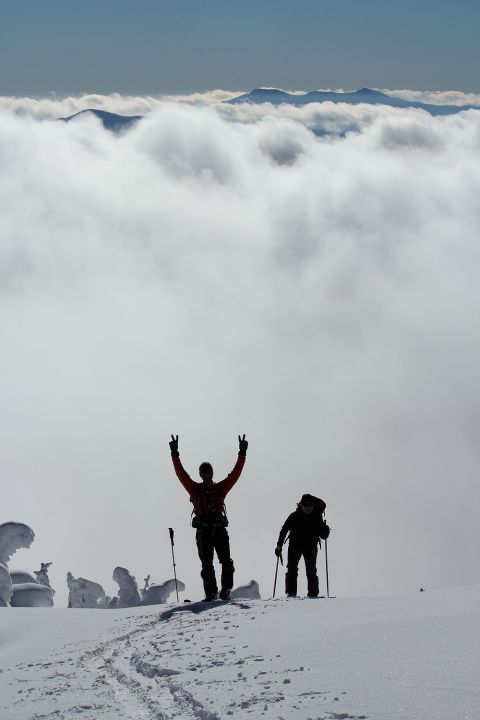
point(325, 531)
point(174, 446)
point(242, 445)
point(278, 551)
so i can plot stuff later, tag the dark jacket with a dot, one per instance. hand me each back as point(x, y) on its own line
point(304, 529)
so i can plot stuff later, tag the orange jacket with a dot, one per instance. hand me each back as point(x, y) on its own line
point(208, 498)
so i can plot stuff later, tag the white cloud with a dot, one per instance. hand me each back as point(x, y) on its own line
point(437, 97)
point(216, 271)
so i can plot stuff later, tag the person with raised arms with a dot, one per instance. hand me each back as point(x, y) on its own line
point(210, 519)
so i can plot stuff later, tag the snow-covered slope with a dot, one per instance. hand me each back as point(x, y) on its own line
point(413, 657)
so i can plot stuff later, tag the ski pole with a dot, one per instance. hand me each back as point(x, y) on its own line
point(279, 557)
point(275, 581)
point(170, 530)
point(326, 567)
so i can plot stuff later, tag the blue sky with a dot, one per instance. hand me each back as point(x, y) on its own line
point(168, 46)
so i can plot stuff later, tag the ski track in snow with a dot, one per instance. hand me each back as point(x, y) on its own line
point(172, 665)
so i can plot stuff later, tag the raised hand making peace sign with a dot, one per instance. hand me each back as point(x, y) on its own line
point(174, 445)
point(242, 445)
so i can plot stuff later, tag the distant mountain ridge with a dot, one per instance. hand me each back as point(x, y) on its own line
point(364, 95)
point(109, 120)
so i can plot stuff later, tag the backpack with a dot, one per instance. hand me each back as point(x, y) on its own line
point(319, 507)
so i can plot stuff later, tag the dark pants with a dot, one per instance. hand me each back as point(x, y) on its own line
point(209, 540)
point(295, 551)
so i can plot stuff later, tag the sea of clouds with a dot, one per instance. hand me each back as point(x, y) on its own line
point(307, 276)
point(55, 106)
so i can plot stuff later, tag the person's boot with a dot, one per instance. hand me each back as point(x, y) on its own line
point(209, 597)
point(225, 594)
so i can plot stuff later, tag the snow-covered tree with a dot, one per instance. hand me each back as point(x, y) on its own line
point(14, 536)
point(251, 591)
point(31, 595)
point(5, 586)
point(128, 595)
point(157, 594)
point(21, 576)
point(85, 593)
point(42, 575)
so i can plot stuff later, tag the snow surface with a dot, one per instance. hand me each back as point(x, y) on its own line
point(414, 657)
